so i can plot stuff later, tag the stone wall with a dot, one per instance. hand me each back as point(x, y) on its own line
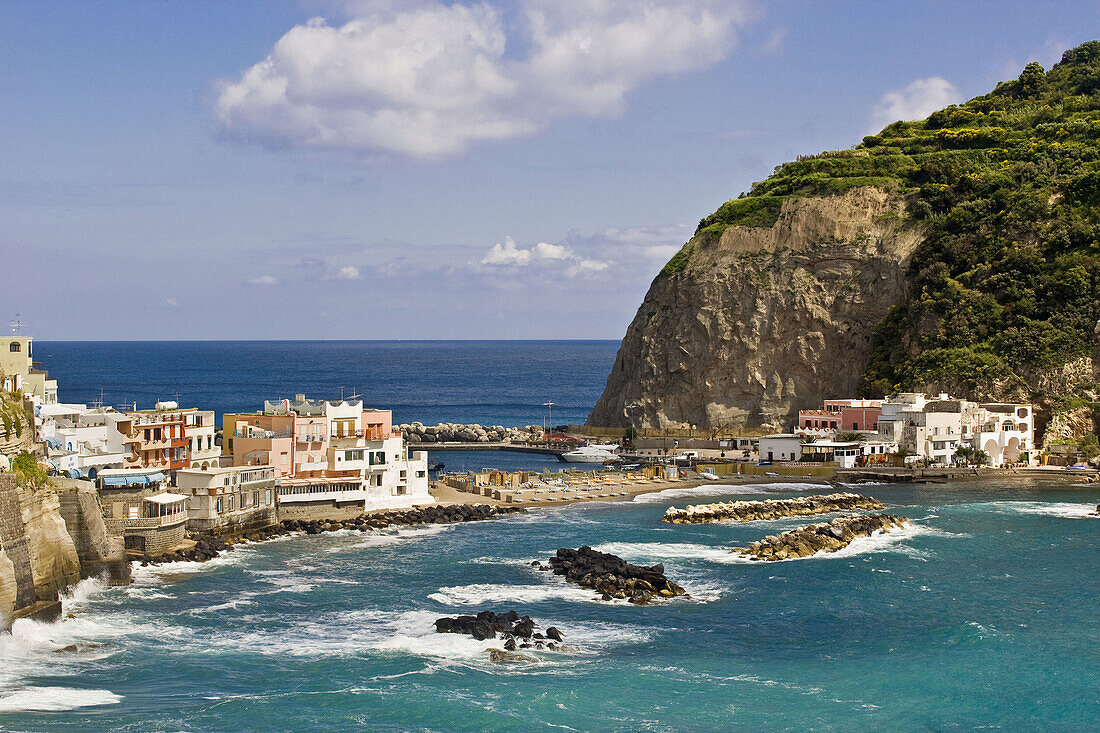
point(236, 524)
point(320, 510)
point(38, 559)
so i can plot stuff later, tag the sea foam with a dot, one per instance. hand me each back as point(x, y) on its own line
point(720, 489)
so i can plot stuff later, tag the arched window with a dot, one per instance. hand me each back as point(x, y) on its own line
point(15, 347)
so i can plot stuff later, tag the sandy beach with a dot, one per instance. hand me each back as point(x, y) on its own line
point(613, 491)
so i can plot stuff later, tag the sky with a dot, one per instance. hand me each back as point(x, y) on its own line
point(383, 169)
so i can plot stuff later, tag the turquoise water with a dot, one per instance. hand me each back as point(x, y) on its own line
point(983, 614)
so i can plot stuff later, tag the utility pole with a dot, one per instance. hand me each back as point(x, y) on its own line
point(550, 412)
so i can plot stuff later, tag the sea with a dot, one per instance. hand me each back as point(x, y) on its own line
point(982, 613)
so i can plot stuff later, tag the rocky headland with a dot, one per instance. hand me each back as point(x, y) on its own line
point(611, 576)
point(823, 537)
point(939, 255)
point(748, 326)
point(748, 511)
point(472, 433)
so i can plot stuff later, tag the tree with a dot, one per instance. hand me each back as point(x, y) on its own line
point(1089, 446)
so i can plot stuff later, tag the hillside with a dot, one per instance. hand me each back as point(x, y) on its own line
point(971, 265)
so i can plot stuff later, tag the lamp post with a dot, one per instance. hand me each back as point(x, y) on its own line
point(550, 417)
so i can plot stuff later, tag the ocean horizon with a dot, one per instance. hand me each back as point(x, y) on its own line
point(505, 382)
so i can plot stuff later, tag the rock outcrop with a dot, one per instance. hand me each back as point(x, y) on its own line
point(457, 433)
point(748, 511)
point(611, 576)
point(823, 537)
point(100, 553)
point(38, 559)
point(517, 631)
point(750, 326)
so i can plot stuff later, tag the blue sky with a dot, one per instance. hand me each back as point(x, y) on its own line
point(381, 169)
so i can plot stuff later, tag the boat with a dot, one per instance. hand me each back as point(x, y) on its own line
point(591, 453)
point(435, 467)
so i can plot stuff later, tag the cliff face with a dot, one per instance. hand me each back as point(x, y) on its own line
point(38, 559)
point(747, 327)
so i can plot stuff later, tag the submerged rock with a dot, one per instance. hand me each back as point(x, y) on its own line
point(823, 537)
point(748, 511)
point(509, 657)
point(613, 577)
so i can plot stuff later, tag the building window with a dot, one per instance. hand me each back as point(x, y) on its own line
point(218, 506)
point(267, 497)
point(15, 347)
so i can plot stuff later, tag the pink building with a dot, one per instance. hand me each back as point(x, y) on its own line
point(841, 416)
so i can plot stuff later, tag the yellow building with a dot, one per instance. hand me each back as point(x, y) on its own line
point(18, 371)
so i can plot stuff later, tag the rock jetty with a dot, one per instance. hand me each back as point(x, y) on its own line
point(518, 631)
point(208, 547)
point(458, 433)
point(748, 511)
point(611, 576)
point(823, 537)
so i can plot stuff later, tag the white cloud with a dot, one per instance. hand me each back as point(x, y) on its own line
point(508, 254)
point(546, 251)
point(588, 266)
point(915, 102)
point(348, 273)
point(263, 280)
point(431, 79)
point(172, 302)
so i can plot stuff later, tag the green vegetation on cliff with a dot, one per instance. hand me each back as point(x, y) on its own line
point(1006, 189)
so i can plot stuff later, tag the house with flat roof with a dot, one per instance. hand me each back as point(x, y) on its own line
point(230, 500)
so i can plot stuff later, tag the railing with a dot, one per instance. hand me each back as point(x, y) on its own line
point(149, 522)
point(262, 434)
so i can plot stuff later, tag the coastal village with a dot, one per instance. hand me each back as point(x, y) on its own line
point(163, 476)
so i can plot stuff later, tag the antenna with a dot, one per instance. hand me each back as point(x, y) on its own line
point(355, 396)
point(341, 394)
point(550, 412)
point(16, 326)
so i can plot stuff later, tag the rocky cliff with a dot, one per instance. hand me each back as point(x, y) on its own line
point(760, 321)
point(38, 559)
point(957, 253)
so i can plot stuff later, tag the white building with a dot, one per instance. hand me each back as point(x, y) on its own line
point(80, 441)
point(229, 500)
point(934, 429)
point(781, 447)
point(198, 430)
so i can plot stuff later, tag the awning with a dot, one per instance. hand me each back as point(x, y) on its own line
point(53, 442)
point(48, 462)
point(165, 498)
point(114, 480)
point(75, 473)
point(155, 477)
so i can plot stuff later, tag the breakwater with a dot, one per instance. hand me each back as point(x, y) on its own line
point(611, 576)
point(468, 433)
point(748, 511)
point(823, 537)
point(207, 547)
